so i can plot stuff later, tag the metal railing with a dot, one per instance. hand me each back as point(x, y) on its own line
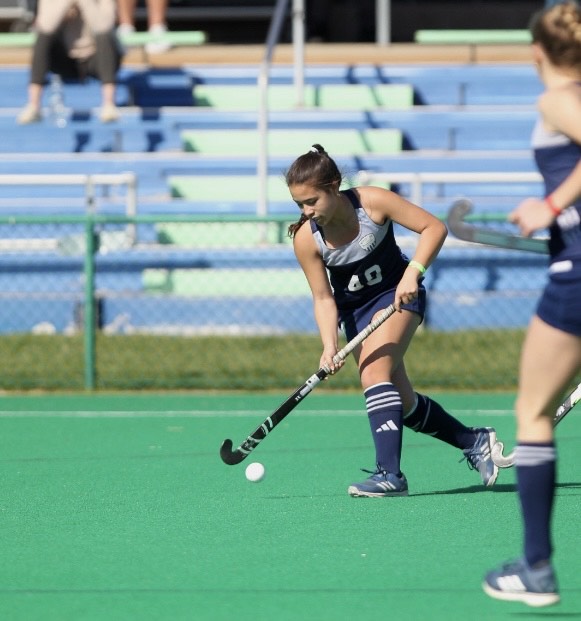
point(263, 77)
point(89, 182)
point(417, 181)
point(181, 288)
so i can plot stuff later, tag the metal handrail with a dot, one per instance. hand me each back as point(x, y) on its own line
point(90, 182)
point(417, 180)
point(271, 41)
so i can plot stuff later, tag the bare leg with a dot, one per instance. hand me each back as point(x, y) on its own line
point(108, 95)
point(382, 352)
point(126, 12)
point(156, 13)
point(550, 359)
point(35, 95)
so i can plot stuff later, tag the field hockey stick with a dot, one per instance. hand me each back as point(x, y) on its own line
point(507, 461)
point(486, 235)
point(232, 457)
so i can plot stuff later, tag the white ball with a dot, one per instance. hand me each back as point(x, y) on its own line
point(255, 472)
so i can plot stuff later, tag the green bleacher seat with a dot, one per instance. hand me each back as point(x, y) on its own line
point(220, 234)
point(472, 37)
point(284, 96)
point(400, 96)
point(176, 38)
point(293, 142)
point(17, 39)
point(364, 96)
point(223, 190)
point(135, 39)
point(227, 282)
point(247, 96)
point(218, 188)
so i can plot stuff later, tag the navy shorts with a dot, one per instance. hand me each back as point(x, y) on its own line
point(354, 320)
point(560, 304)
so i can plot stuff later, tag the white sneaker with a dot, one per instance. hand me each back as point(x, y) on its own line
point(29, 114)
point(158, 43)
point(125, 29)
point(479, 455)
point(109, 114)
point(515, 581)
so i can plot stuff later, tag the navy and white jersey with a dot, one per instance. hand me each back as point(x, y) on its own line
point(560, 304)
point(556, 156)
point(369, 265)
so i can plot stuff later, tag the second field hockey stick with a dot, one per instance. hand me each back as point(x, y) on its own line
point(507, 461)
point(486, 235)
point(232, 457)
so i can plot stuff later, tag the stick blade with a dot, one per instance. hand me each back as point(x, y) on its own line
point(486, 235)
point(229, 456)
point(459, 210)
point(499, 459)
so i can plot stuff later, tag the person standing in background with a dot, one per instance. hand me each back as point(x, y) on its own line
point(156, 23)
point(551, 354)
point(75, 39)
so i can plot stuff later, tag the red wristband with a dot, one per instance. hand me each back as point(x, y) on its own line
point(551, 205)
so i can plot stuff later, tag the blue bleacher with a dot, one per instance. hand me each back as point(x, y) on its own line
point(434, 84)
point(160, 132)
point(256, 315)
point(467, 118)
point(24, 315)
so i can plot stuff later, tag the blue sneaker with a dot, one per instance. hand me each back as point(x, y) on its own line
point(515, 581)
point(379, 484)
point(479, 455)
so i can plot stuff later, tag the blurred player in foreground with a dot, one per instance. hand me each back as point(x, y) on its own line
point(350, 234)
point(551, 354)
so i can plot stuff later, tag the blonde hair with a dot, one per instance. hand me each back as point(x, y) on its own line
point(558, 30)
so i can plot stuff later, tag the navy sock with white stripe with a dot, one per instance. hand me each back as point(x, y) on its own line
point(385, 412)
point(536, 476)
point(429, 417)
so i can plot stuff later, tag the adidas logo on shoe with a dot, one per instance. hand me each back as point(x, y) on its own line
point(380, 484)
point(515, 581)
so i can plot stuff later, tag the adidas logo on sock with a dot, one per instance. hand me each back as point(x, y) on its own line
point(388, 426)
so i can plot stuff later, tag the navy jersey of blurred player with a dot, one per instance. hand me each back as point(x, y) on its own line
point(551, 354)
point(556, 155)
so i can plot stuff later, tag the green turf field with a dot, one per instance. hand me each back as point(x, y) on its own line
point(118, 508)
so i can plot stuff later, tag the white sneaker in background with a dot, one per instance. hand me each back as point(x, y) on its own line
point(109, 114)
point(125, 29)
point(158, 43)
point(29, 114)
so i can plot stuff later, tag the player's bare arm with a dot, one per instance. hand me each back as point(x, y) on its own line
point(324, 307)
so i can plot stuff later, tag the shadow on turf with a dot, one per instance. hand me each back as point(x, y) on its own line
point(497, 489)
point(472, 489)
point(551, 614)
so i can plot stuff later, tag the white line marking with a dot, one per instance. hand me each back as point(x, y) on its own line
point(213, 413)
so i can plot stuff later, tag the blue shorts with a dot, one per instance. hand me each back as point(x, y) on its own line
point(355, 320)
point(560, 304)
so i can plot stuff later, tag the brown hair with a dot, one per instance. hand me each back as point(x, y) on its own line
point(315, 168)
point(558, 30)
